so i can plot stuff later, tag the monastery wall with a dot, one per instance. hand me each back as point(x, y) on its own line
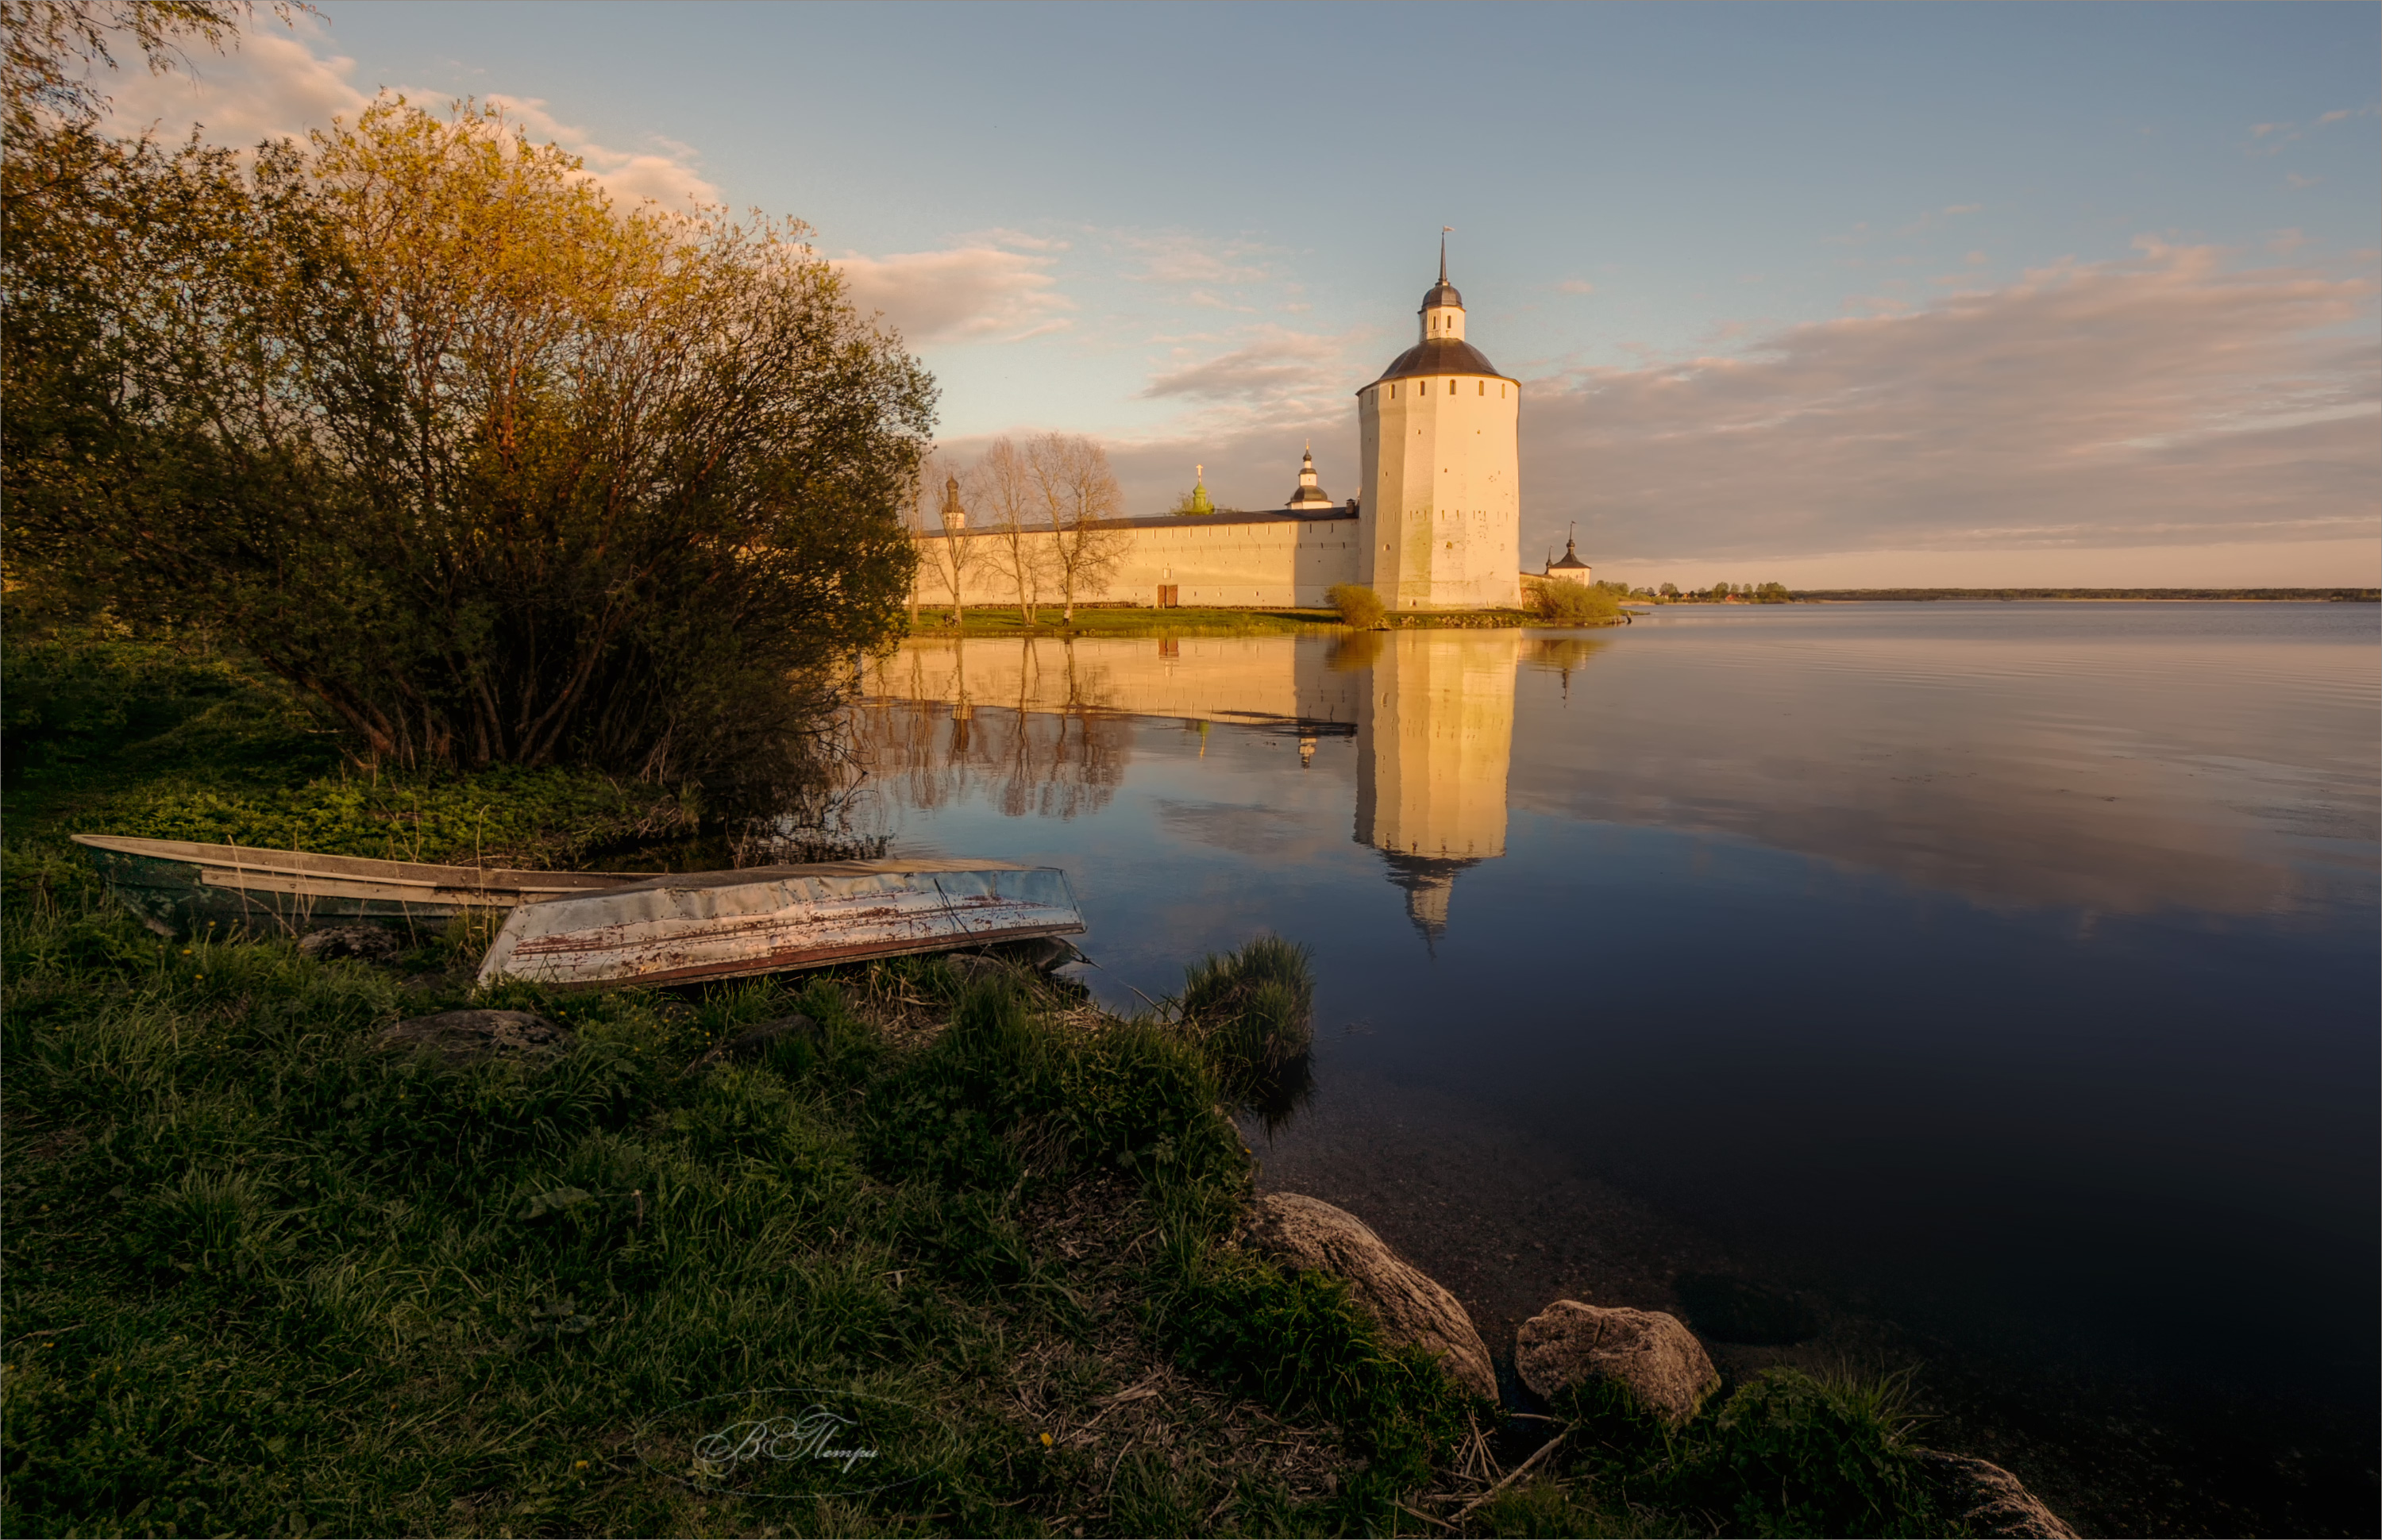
point(1274, 564)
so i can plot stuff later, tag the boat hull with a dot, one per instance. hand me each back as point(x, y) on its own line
point(180, 888)
point(769, 920)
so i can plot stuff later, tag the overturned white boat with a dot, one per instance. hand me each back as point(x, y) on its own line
point(179, 887)
point(767, 919)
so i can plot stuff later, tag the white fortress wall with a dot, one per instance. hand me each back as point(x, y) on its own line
point(1215, 560)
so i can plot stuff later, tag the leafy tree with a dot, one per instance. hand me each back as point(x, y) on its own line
point(1569, 604)
point(490, 468)
point(952, 557)
point(51, 50)
point(1001, 485)
point(1081, 498)
point(1669, 591)
point(1359, 607)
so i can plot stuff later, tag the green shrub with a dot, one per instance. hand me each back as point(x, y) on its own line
point(1785, 1453)
point(1253, 1012)
point(1789, 1454)
point(1296, 1341)
point(1358, 605)
point(1569, 603)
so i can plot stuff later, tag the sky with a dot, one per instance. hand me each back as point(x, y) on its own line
point(1830, 295)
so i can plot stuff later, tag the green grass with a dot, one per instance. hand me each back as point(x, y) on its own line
point(996, 620)
point(1253, 1012)
point(1121, 622)
point(109, 734)
point(262, 1277)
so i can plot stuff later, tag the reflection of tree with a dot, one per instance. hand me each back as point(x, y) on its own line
point(1052, 764)
point(1058, 764)
point(1562, 655)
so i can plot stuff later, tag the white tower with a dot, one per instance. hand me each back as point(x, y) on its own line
point(1441, 511)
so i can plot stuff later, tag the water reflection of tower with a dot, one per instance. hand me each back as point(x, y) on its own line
point(1434, 741)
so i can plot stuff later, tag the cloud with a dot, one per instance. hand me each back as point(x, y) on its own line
point(274, 85)
point(2293, 180)
point(282, 81)
point(966, 294)
point(1934, 218)
point(1016, 241)
point(1575, 285)
point(1189, 258)
point(668, 178)
point(1274, 366)
point(2156, 400)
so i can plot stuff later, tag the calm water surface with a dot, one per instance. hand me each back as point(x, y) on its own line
point(2008, 970)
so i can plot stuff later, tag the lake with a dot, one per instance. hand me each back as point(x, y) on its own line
point(1989, 986)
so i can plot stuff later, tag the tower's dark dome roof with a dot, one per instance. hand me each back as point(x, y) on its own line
point(1440, 355)
point(1443, 293)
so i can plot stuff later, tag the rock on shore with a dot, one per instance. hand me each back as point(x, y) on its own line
point(1989, 1500)
point(1648, 1353)
point(1412, 1309)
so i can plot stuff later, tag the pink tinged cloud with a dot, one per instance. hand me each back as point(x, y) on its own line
point(967, 294)
point(2156, 401)
point(276, 85)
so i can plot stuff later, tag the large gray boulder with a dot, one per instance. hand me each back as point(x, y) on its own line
point(1646, 1352)
point(460, 1036)
point(1413, 1309)
point(1987, 1499)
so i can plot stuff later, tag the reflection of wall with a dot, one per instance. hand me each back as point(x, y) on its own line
point(1434, 712)
point(1256, 680)
point(1434, 741)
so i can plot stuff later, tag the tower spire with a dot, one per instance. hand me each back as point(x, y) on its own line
point(1443, 231)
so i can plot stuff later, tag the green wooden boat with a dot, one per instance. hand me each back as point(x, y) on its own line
point(180, 888)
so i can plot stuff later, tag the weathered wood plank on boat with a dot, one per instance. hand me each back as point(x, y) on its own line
point(769, 918)
point(178, 885)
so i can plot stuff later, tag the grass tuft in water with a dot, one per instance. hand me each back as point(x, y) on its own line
point(1252, 1012)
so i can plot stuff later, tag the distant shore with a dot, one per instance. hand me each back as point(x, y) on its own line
point(1122, 621)
point(2172, 595)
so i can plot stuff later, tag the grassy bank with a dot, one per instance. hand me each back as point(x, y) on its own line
point(1200, 622)
point(265, 1275)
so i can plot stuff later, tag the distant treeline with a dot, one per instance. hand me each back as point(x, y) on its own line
point(2334, 596)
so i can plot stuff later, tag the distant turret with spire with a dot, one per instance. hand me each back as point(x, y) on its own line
point(1309, 497)
point(1571, 568)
